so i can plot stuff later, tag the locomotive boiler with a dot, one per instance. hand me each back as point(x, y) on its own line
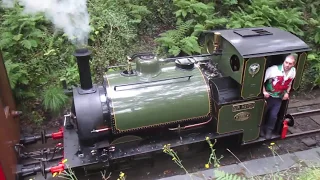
point(179, 101)
point(155, 96)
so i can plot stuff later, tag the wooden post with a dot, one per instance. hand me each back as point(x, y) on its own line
point(9, 128)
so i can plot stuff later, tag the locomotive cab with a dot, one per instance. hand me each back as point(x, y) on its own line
point(245, 55)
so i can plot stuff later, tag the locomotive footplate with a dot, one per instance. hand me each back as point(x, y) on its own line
point(106, 156)
point(78, 156)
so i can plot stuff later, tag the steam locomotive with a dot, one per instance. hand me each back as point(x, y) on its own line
point(178, 101)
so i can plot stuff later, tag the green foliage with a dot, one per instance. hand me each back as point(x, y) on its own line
point(17, 73)
point(137, 12)
point(192, 18)
point(37, 56)
point(159, 19)
point(21, 32)
point(310, 174)
point(312, 37)
point(221, 175)
point(268, 13)
point(34, 54)
point(54, 99)
point(114, 26)
point(177, 40)
point(313, 71)
point(192, 9)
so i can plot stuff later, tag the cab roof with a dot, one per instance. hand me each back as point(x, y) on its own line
point(263, 41)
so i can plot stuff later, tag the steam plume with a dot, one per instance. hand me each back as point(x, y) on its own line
point(70, 16)
point(7, 3)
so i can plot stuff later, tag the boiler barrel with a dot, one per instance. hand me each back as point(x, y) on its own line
point(175, 95)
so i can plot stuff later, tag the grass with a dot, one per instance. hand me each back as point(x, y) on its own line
point(300, 172)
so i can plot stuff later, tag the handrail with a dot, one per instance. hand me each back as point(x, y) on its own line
point(122, 85)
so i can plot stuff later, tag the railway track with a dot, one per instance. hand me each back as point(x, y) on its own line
point(309, 120)
point(314, 116)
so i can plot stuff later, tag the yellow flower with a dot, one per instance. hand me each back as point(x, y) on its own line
point(206, 166)
point(211, 145)
point(272, 143)
point(121, 174)
point(64, 161)
point(207, 138)
point(174, 159)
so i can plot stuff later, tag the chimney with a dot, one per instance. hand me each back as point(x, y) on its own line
point(83, 57)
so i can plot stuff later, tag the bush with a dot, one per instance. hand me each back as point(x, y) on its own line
point(38, 56)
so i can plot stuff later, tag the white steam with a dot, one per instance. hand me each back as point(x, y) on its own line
point(70, 16)
point(8, 3)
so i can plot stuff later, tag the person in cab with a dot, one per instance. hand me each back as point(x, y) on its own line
point(277, 86)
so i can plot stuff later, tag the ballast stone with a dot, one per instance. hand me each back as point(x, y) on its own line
point(309, 141)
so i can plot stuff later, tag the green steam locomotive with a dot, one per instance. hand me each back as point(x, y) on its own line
point(179, 101)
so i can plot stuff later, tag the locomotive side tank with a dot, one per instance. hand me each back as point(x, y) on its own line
point(155, 96)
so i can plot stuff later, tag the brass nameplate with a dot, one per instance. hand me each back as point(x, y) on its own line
point(243, 106)
point(242, 116)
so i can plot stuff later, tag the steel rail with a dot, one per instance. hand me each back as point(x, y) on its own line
point(298, 115)
point(278, 137)
point(306, 112)
point(302, 133)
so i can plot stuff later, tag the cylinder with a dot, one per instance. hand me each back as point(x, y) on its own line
point(83, 58)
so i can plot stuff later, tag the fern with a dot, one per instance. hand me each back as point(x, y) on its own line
point(193, 17)
point(138, 12)
point(190, 45)
point(177, 40)
point(192, 10)
point(221, 175)
point(16, 73)
point(268, 13)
